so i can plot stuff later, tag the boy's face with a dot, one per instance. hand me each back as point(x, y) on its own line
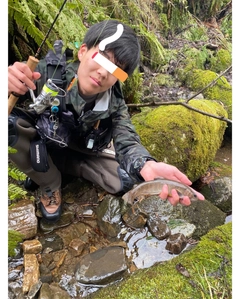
point(93, 78)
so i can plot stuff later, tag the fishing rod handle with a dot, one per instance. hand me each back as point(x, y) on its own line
point(12, 100)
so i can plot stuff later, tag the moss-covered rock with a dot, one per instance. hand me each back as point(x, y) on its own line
point(221, 91)
point(221, 60)
point(206, 273)
point(182, 137)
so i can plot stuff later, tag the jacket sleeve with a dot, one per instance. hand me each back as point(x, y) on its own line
point(130, 153)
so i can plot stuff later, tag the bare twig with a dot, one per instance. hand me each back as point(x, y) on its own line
point(185, 103)
point(153, 103)
point(206, 113)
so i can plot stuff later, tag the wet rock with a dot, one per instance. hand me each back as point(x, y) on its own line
point(109, 216)
point(31, 272)
point(219, 192)
point(154, 205)
point(31, 246)
point(51, 242)
point(181, 226)
point(102, 266)
point(76, 230)
point(47, 259)
point(34, 289)
point(88, 213)
point(134, 217)
point(22, 218)
point(15, 290)
point(158, 228)
point(77, 245)
point(58, 260)
point(52, 291)
point(176, 243)
point(204, 215)
point(45, 274)
point(66, 219)
point(13, 275)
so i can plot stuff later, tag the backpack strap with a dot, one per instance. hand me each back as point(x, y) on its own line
point(56, 64)
point(56, 61)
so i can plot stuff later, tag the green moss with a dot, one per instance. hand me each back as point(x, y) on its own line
point(221, 91)
point(133, 88)
point(221, 60)
point(221, 168)
point(196, 33)
point(14, 238)
point(182, 137)
point(164, 80)
point(195, 59)
point(194, 75)
point(209, 265)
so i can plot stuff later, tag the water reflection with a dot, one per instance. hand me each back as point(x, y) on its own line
point(144, 249)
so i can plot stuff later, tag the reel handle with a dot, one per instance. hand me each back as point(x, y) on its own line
point(32, 63)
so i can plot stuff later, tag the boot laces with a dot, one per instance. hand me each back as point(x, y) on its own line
point(53, 199)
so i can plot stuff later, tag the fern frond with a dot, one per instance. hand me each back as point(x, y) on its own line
point(153, 45)
point(15, 192)
point(16, 174)
point(25, 19)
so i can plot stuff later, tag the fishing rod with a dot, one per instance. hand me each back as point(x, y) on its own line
point(33, 61)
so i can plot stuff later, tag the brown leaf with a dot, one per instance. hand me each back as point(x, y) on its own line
point(181, 269)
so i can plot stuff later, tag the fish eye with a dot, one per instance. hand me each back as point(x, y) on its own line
point(135, 200)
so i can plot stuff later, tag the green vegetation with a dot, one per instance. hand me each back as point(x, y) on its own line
point(154, 22)
point(221, 60)
point(14, 238)
point(15, 191)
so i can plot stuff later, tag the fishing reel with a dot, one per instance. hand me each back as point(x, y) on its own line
point(46, 98)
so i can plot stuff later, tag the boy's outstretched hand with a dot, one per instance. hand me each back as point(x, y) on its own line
point(152, 170)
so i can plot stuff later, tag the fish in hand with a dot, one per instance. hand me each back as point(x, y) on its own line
point(154, 187)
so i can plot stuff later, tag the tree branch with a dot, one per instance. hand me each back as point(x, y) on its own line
point(185, 103)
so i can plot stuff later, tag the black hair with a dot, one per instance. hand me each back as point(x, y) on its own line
point(126, 49)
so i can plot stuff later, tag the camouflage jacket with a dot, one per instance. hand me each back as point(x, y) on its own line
point(115, 123)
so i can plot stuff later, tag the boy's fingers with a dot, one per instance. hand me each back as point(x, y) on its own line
point(164, 193)
point(174, 198)
point(185, 200)
point(36, 75)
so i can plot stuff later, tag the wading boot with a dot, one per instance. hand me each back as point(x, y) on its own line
point(51, 205)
